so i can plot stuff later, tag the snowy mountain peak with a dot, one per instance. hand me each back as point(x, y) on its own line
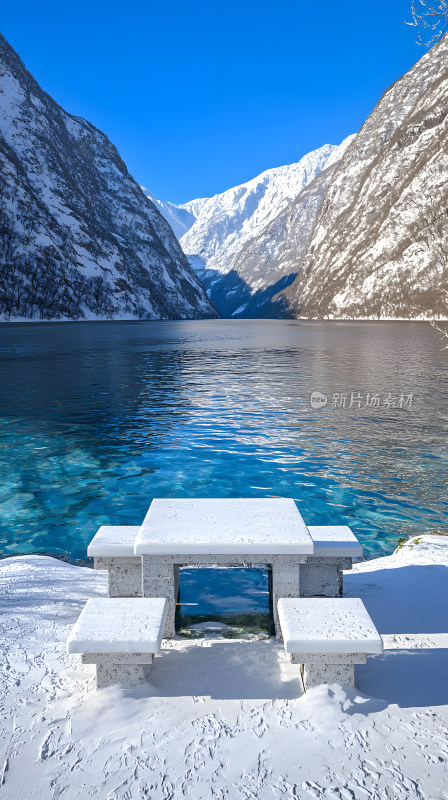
point(227, 220)
point(236, 241)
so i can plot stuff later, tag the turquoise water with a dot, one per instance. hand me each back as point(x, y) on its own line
point(96, 419)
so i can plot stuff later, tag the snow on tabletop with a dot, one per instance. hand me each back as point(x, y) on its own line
point(114, 540)
point(327, 625)
point(254, 525)
point(119, 625)
point(334, 540)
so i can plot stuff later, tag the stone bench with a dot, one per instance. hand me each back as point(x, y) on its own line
point(120, 636)
point(335, 547)
point(327, 637)
point(112, 548)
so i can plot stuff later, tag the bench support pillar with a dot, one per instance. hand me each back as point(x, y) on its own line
point(319, 668)
point(124, 675)
point(125, 670)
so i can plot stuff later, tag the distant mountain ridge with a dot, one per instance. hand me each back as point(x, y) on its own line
point(357, 230)
point(221, 241)
point(78, 239)
point(379, 248)
point(354, 231)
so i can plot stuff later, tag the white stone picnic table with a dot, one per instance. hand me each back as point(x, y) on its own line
point(145, 561)
point(229, 532)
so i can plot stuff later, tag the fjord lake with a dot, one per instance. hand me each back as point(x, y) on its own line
point(98, 418)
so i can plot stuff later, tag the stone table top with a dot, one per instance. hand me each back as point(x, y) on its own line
point(119, 625)
point(327, 625)
point(262, 526)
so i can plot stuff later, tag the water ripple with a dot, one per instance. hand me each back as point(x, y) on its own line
point(98, 418)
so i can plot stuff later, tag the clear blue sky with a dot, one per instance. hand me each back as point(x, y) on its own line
point(200, 96)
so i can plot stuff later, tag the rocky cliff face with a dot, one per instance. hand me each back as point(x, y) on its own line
point(245, 242)
point(380, 245)
point(78, 239)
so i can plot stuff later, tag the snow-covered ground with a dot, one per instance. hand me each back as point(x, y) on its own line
point(225, 719)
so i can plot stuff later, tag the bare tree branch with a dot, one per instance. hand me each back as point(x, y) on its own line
point(442, 331)
point(430, 17)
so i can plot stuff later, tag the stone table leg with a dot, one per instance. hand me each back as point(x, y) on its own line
point(322, 576)
point(285, 582)
point(159, 580)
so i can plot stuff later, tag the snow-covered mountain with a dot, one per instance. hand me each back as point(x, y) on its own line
point(267, 263)
point(380, 244)
point(180, 217)
point(78, 239)
point(354, 231)
point(238, 249)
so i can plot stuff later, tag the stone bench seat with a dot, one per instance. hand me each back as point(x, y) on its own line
point(335, 540)
point(327, 637)
point(335, 547)
point(120, 636)
point(112, 549)
point(112, 541)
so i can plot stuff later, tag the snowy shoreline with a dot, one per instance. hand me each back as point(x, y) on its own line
point(226, 719)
